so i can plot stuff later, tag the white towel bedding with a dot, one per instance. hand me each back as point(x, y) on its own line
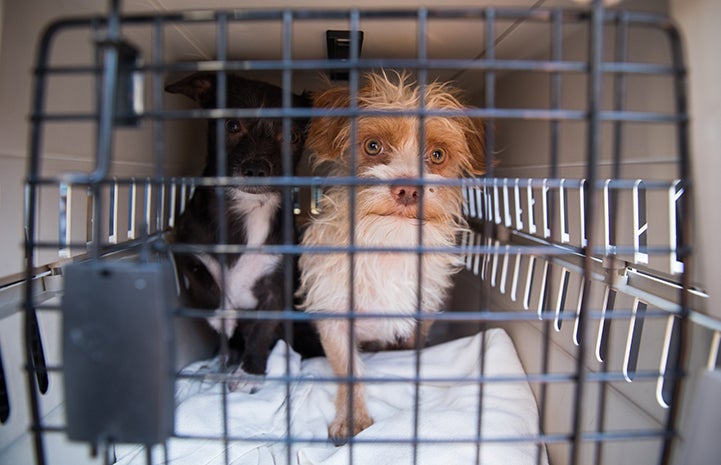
point(446, 410)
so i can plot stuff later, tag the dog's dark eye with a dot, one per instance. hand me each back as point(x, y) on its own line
point(372, 147)
point(295, 137)
point(438, 156)
point(232, 125)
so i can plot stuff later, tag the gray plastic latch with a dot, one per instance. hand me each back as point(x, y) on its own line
point(118, 351)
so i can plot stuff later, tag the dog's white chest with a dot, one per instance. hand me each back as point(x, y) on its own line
point(394, 283)
point(240, 279)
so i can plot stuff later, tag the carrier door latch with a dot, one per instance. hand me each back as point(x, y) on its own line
point(118, 351)
point(339, 47)
point(128, 99)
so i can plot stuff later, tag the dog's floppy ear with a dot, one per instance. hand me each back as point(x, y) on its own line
point(199, 87)
point(305, 99)
point(328, 135)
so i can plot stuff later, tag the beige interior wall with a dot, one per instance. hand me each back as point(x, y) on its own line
point(699, 21)
point(68, 147)
point(22, 22)
point(523, 151)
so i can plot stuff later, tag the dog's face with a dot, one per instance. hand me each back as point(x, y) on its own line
point(388, 148)
point(254, 147)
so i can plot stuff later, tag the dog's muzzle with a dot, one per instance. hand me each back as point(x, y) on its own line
point(255, 169)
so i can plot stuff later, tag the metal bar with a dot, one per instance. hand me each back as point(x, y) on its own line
point(221, 160)
point(287, 219)
point(422, 56)
point(534, 14)
point(30, 222)
point(354, 84)
point(499, 113)
point(595, 55)
point(567, 66)
point(685, 255)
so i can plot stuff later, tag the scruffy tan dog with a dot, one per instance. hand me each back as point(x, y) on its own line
point(399, 176)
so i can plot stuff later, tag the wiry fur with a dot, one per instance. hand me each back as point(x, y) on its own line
point(386, 216)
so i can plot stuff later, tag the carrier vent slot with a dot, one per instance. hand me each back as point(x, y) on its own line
point(132, 205)
point(481, 199)
point(582, 196)
point(469, 206)
point(64, 220)
point(494, 213)
point(514, 281)
point(519, 210)
point(38, 354)
point(494, 265)
point(148, 205)
point(504, 272)
point(714, 361)
point(577, 325)
point(478, 259)
point(545, 192)
point(466, 247)
point(563, 210)
point(609, 209)
point(486, 260)
point(531, 204)
point(4, 396)
point(543, 295)
point(89, 200)
point(561, 300)
point(633, 342)
point(669, 361)
point(609, 300)
point(113, 217)
point(529, 282)
point(173, 208)
point(640, 223)
point(506, 205)
point(675, 228)
point(185, 191)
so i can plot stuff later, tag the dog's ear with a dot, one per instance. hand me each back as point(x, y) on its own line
point(305, 99)
point(327, 136)
point(199, 87)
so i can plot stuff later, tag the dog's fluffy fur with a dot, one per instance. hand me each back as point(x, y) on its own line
point(386, 152)
point(253, 212)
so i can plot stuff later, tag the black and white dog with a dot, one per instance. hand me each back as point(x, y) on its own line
point(253, 213)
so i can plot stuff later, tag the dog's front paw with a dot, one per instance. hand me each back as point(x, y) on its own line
point(340, 432)
point(242, 381)
point(223, 325)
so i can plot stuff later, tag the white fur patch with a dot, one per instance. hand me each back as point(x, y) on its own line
point(240, 278)
point(384, 282)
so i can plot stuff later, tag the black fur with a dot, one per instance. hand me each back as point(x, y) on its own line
point(253, 150)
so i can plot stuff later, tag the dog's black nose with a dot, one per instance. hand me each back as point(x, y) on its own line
point(255, 169)
point(255, 172)
point(405, 195)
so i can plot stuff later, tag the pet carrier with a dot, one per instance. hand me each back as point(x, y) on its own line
point(575, 331)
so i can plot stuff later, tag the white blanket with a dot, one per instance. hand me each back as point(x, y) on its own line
point(446, 410)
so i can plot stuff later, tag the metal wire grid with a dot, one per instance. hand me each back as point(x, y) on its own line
point(164, 197)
